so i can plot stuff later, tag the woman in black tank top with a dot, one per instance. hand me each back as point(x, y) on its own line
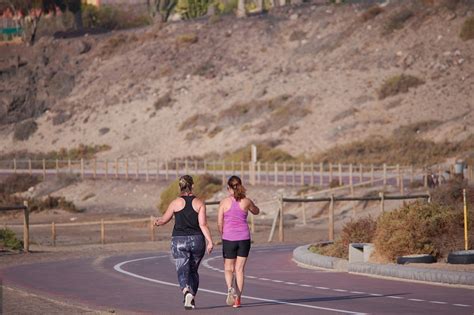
point(188, 242)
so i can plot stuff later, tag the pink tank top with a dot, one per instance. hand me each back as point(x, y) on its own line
point(235, 223)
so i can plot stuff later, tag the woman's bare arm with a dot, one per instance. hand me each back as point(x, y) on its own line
point(252, 207)
point(220, 217)
point(167, 216)
point(203, 225)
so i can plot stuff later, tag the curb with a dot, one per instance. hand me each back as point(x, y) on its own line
point(302, 255)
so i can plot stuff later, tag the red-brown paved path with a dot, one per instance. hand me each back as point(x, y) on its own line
point(146, 283)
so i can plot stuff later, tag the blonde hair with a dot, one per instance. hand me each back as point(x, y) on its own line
point(186, 184)
point(235, 183)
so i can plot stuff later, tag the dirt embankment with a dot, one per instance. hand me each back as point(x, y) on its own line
point(191, 88)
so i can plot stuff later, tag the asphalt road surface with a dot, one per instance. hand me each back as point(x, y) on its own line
point(146, 284)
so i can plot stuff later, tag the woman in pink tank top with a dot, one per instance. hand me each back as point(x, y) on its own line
point(235, 232)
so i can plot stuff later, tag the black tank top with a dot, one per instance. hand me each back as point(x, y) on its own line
point(186, 220)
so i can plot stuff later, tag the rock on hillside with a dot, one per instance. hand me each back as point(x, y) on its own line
point(305, 77)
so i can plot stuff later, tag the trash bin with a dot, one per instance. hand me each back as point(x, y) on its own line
point(360, 252)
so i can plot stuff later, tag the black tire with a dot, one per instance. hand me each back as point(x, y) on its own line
point(418, 259)
point(463, 257)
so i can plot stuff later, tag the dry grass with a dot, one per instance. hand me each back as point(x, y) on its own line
point(24, 130)
point(196, 120)
point(18, 183)
point(188, 38)
point(398, 84)
point(371, 13)
point(397, 21)
point(416, 128)
point(164, 101)
point(396, 150)
point(467, 30)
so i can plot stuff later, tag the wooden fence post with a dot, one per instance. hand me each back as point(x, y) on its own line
point(137, 171)
point(398, 174)
point(321, 171)
point(330, 173)
point(412, 173)
point(106, 169)
point(275, 178)
point(82, 168)
point(14, 166)
point(259, 172)
point(293, 178)
point(303, 209)
point(340, 174)
point(281, 233)
point(95, 167)
point(57, 167)
point(44, 170)
point(152, 229)
point(284, 174)
point(425, 177)
point(312, 174)
point(69, 167)
point(126, 168)
point(29, 167)
point(402, 184)
point(102, 232)
point(26, 227)
point(382, 201)
point(267, 173)
point(223, 172)
point(372, 174)
point(53, 233)
point(147, 174)
point(384, 175)
point(302, 173)
point(252, 223)
point(331, 219)
point(361, 173)
point(351, 179)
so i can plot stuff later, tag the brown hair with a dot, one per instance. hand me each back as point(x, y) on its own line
point(186, 184)
point(235, 183)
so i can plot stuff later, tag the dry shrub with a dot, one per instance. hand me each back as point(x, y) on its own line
point(24, 130)
point(39, 204)
point(467, 30)
point(196, 120)
point(397, 150)
point(18, 183)
point(416, 128)
point(114, 43)
point(190, 38)
point(204, 187)
point(371, 13)
point(418, 228)
point(355, 231)
point(334, 183)
point(398, 84)
point(211, 134)
point(397, 20)
point(164, 101)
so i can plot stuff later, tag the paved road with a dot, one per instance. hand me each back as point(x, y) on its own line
point(146, 283)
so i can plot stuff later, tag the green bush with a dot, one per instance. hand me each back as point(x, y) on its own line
point(18, 183)
point(467, 30)
point(191, 9)
point(24, 130)
point(418, 228)
point(227, 7)
point(204, 187)
point(398, 84)
point(8, 240)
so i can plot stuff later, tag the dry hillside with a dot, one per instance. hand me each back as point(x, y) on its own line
point(305, 77)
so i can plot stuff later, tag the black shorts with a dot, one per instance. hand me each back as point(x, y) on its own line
point(232, 249)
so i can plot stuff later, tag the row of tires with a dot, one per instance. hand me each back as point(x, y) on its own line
point(459, 257)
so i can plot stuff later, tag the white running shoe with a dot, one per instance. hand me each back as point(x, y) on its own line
point(188, 301)
point(230, 296)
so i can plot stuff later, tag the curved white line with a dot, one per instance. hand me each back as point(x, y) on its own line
point(118, 267)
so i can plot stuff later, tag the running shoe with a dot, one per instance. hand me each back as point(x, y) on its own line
point(230, 296)
point(188, 301)
point(236, 302)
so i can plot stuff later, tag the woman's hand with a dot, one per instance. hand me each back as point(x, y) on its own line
point(209, 248)
point(157, 221)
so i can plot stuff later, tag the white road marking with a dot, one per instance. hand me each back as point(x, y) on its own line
point(118, 267)
point(264, 279)
point(339, 290)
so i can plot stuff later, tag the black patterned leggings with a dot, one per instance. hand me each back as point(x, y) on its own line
point(188, 252)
